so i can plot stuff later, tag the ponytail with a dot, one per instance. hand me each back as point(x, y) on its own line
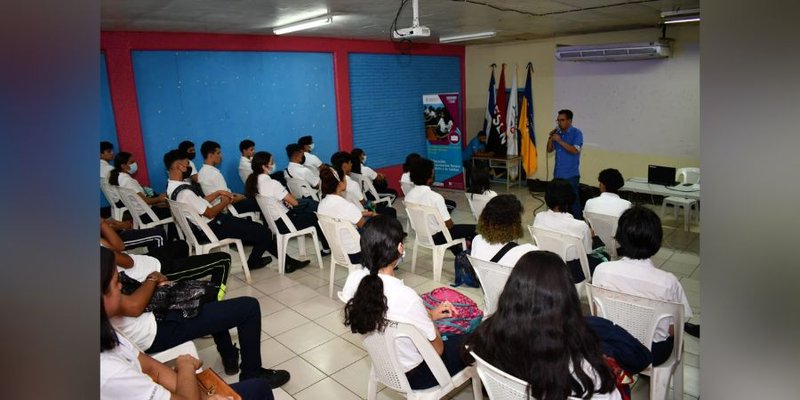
point(260, 159)
point(120, 159)
point(366, 311)
point(251, 185)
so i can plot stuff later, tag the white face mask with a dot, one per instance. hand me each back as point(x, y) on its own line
point(311, 147)
point(271, 169)
point(364, 160)
point(402, 256)
point(133, 168)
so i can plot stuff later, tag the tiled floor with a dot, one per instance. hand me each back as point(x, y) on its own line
point(303, 331)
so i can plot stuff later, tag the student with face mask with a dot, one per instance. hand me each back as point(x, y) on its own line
point(124, 167)
point(188, 147)
point(359, 159)
point(311, 161)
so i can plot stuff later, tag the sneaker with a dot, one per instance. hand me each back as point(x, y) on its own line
point(325, 252)
point(231, 364)
point(275, 377)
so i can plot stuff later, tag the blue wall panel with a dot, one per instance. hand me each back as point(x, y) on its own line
point(272, 98)
point(108, 126)
point(386, 99)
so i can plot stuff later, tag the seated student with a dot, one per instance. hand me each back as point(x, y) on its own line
point(310, 161)
point(406, 178)
point(223, 225)
point(481, 183)
point(211, 179)
point(559, 197)
point(141, 329)
point(639, 235)
point(359, 158)
point(259, 182)
point(124, 167)
point(499, 225)
point(422, 176)
point(106, 156)
point(609, 202)
point(247, 147)
point(151, 238)
point(172, 259)
point(477, 147)
point(538, 334)
point(296, 170)
point(381, 298)
point(188, 147)
point(342, 163)
point(334, 205)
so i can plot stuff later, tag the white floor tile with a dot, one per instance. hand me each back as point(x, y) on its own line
point(269, 305)
point(326, 389)
point(318, 306)
point(303, 375)
point(281, 394)
point(304, 337)
point(275, 284)
point(244, 291)
point(333, 322)
point(281, 321)
point(354, 377)
point(274, 353)
point(334, 355)
point(294, 295)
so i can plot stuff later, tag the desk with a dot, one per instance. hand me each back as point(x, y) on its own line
point(504, 162)
point(640, 185)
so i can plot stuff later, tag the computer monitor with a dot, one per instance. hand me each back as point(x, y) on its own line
point(660, 175)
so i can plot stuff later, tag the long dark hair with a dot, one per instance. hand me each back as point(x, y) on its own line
point(366, 311)
point(108, 336)
point(538, 332)
point(328, 181)
point(260, 159)
point(120, 159)
point(355, 156)
point(480, 181)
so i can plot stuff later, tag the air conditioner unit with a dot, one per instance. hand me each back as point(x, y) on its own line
point(615, 51)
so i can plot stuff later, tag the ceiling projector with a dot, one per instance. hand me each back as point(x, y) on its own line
point(412, 32)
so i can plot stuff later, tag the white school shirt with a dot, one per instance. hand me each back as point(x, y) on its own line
point(565, 223)
point(245, 168)
point(312, 161)
point(128, 182)
point(105, 169)
point(336, 206)
point(187, 196)
point(404, 305)
point(607, 204)
point(353, 193)
point(298, 171)
point(140, 330)
point(211, 180)
point(406, 178)
point(483, 250)
point(368, 172)
point(643, 278)
point(422, 194)
point(273, 189)
point(143, 265)
point(121, 376)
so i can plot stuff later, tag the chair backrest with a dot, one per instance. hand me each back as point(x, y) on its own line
point(367, 186)
point(112, 197)
point(420, 215)
point(382, 350)
point(493, 279)
point(263, 204)
point(637, 315)
point(688, 175)
point(406, 187)
point(501, 385)
point(299, 188)
point(334, 229)
point(136, 205)
point(477, 202)
point(604, 226)
point(186, 217)
point(559, 243)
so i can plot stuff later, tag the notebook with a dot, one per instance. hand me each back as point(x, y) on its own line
point(660, 175)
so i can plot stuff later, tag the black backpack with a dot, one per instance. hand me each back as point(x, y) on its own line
point(465, 273)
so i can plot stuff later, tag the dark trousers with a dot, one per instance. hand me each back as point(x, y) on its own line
point(162, 213)
point(662, 350)
point(421, 376)
point(384, 210)
point(152, 238)
point(458, 231)
point(252, 233)
point(594, 259)
point(253, 389)
point(177, 264)
point(302, 221)
point(216, 318)
point(355, 258)
point(576, 209)
point(450, 204)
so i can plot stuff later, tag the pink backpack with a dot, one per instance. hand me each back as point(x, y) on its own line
point(469, 315)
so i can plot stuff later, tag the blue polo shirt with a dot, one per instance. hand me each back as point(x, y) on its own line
point(568, 164)
point(473, 146)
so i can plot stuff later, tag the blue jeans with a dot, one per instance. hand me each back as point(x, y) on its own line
point(576, 210)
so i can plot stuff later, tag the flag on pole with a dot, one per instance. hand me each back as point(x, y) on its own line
point(487, 120)
point(495, 141)
point(511, 125)
point(526, 131)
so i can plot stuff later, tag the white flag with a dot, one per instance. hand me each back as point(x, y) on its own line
point(511, 124)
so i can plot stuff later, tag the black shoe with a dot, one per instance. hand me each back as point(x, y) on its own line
point(231, 364)
point(261, 264)
point(293, 265)
point(692, 329)
point(275, 377)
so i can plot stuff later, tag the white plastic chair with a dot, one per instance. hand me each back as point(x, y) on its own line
point(501, 385)
point(640, 317)
point(493, 279)
point(138, 207)
point(186, 216)
point(683, 175)
point(333, 229)
point(559, 243)
point(604, 226)
point(283, 238)
point(368, 187)
point(254, 216)
point(419, 215)
point(112, 197)
point(298, 188)
point(477, 202)
point(688, 175)
point(386, 368)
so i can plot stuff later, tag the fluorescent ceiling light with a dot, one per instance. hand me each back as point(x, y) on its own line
point(679, 16)
point(307, 24)
point(469, 36)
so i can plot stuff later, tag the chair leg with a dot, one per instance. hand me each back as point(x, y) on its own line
point(659, 383)
point(477, 385)
point(316, 246)
point(333, 272)
point(245, 268)
point(663, 208)
point(372, 387)
point(686, 211)
point(677, 382)
point(414, 257)
point(438, 262)
point(281, 254)
point(301, 244)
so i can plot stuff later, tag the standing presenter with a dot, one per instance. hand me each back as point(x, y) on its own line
point(567, 140)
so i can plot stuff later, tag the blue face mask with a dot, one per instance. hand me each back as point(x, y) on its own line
point(133, 168)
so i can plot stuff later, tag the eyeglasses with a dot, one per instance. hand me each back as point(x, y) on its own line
point(561, 120)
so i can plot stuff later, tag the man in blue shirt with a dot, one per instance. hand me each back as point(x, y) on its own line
point(566, 141)
point(476, 146)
